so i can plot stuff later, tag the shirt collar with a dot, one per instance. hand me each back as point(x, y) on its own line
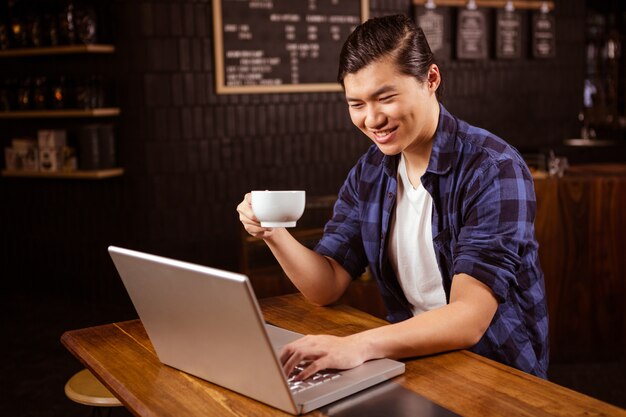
point(444, 152)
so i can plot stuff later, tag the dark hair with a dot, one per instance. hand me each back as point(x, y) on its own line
point(396, 37)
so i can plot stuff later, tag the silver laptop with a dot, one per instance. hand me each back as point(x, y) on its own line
point(207, 322)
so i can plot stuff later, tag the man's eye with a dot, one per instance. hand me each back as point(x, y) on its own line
point(356, 105)
point(387, 98)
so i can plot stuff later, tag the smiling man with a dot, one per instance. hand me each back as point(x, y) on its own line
point(442, 212)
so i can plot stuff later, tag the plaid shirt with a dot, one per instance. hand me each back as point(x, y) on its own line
point(482, 223)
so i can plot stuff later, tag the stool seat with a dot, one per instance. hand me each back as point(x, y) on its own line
point(84, 388)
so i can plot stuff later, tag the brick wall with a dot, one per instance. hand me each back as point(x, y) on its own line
point(190, 155)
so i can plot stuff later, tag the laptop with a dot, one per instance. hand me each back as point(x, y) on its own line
point(207, 322)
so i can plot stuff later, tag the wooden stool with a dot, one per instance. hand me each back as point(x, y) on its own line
point(84, 388)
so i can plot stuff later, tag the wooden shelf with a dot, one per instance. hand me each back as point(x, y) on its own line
point(59, 50)
point(65, 113)
point(498, 4)
point(79, 175)
point(590, 142)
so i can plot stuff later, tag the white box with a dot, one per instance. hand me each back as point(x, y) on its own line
point(51, 138)
point(25, 156)
point(50, 159)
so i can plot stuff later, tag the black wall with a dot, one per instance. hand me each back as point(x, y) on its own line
point(190, 155)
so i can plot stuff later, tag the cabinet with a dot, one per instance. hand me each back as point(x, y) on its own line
point(581, 229)
point(75, 115)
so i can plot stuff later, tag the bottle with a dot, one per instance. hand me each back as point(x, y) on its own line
point(83, 94)
point(58, 93)
point(17, 32)
point(611, 54)
point(34, 35)
point(4, 28)
point(40, 101)
point(51, 31)
point(86, 25)
point(67, 28)
point(24, 95)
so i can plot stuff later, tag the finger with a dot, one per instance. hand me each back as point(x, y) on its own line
point(313, 367)
point(247, 201)
point(245, 210)
point(287, 358)
point(251, 224)
point(244, 203)
point(300, 360)
point(255, 230)
point(246, 221)
point(246, 206)
point(290, 364)
point(295, 354)
point(285, 353)
point(262, 233)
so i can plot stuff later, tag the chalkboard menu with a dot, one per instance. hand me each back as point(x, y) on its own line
point(544, 37)
point(436, 24)
point(471, 35)
point(508, 34)
point(265, 46)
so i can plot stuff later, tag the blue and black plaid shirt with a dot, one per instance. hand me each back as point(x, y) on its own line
point(483, 225)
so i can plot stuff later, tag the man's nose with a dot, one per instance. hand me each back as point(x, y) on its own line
point(374, 118)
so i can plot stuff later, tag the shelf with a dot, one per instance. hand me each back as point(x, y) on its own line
point(66, 113)
point(590, 142)
point(79, 175)
point(59, 50)
point(518, 4)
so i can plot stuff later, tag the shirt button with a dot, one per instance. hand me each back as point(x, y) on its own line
point(390, 194)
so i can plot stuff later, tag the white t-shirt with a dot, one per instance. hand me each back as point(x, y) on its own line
point(411, 250)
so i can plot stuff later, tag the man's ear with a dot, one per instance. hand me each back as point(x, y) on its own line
point(434, 77)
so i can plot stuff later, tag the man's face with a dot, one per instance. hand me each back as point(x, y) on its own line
point(394, 110)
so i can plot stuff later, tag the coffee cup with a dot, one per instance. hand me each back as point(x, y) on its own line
point(278, 208)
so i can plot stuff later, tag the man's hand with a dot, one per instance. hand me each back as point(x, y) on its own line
point(457, 325)
point(249, 220)
point(322, 352)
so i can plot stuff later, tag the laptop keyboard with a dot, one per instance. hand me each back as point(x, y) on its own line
point(315, 380)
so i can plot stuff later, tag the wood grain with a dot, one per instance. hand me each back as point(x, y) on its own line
point(581, 229)
point(123, 358)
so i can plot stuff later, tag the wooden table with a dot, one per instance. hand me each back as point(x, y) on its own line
point(123, 358)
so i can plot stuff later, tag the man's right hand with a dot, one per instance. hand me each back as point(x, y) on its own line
point(249, 220)
point(321, 280)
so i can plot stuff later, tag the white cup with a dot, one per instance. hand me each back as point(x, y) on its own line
point(278, 208)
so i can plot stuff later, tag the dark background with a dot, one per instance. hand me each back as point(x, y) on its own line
point(190, 155)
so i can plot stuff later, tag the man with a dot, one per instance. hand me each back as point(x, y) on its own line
point(442, 213)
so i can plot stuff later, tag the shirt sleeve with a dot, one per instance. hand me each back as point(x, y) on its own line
point(342, 234)
point(498, 226)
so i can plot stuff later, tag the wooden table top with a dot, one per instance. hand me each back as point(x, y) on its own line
point(122, 357)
